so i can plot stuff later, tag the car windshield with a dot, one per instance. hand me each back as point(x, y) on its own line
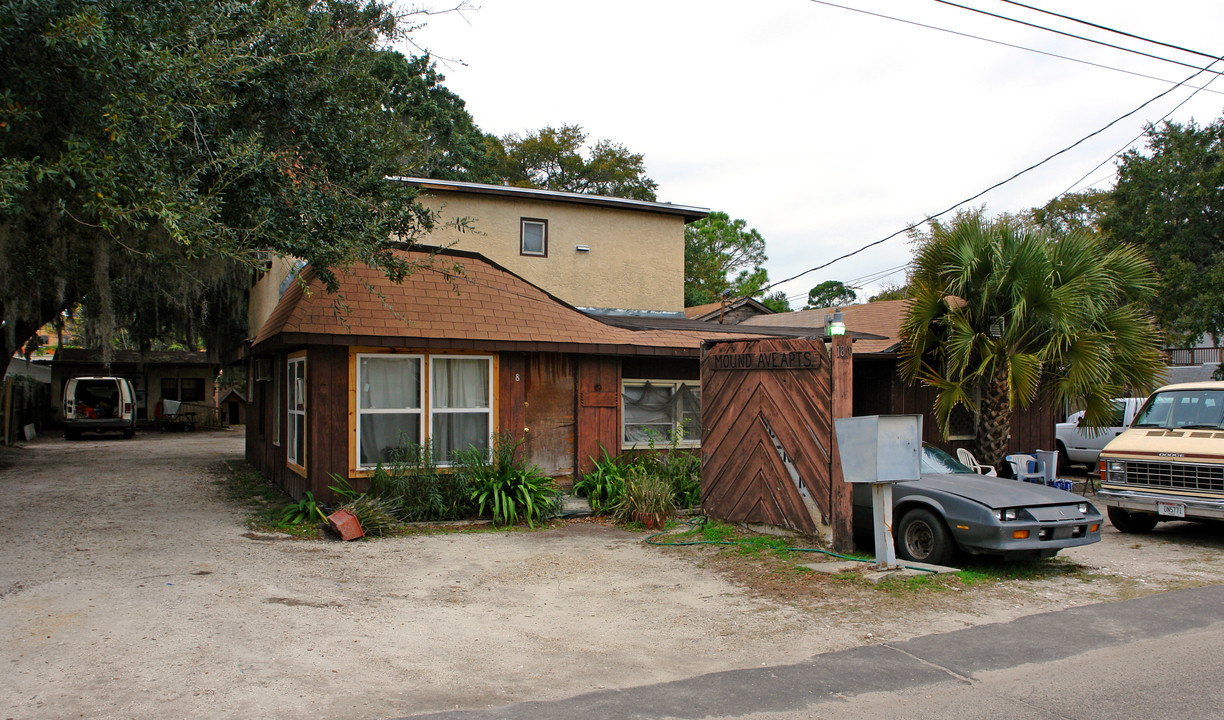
point(935, 460)
point(1183, 409)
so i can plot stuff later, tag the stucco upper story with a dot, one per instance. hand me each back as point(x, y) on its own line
point(599, 252)
point(593, 252)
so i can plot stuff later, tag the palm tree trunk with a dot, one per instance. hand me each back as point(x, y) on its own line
point(994, 422)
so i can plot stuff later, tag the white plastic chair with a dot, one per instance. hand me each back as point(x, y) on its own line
point(968, 460)
point(1026, 467)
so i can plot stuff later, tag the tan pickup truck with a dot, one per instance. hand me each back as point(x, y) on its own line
point(1169, 464)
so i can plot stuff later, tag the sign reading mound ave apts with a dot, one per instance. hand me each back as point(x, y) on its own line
point(765, 360)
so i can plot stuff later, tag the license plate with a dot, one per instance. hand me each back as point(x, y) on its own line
point(1171, 509)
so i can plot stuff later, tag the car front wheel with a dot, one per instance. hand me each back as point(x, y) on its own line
point(1129, 522)
point(923, 537)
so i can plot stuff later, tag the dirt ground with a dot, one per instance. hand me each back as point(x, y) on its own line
point(130, 588)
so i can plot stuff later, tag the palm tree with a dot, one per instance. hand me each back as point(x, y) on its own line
point(1008, 311)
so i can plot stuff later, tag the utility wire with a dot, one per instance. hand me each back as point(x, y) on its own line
point(1071, 35)
point(1135, 139)
point(970, 199)
point(997, 42)
point(1109, 29)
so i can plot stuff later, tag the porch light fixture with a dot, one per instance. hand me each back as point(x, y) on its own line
point(835, 325)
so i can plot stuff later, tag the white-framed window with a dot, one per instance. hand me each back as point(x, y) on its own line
point(533, 238)
point(460, 400)
point(655, 409)
point(402, 400)
point(295, 396)
point(390, 393)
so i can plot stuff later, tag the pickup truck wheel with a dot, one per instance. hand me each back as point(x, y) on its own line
point(1130, 522)
point(923, 537)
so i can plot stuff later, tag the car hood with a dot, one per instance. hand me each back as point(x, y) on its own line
point(994, 492)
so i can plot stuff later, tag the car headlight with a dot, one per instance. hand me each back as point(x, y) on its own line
point(1083, 508)
point(1005, 514)
point(1115, 470)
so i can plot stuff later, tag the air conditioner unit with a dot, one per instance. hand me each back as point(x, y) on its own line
point(263, 370)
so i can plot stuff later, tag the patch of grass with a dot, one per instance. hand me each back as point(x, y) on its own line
point(990, 571)
point(719, 532)
point(754, 546)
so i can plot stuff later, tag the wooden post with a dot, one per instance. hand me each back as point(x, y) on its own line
point(841, 405)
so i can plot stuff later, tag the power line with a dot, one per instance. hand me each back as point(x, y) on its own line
point(1071, 35)
point(1109, 29)
point(1135, 139)
point(997, 42)
point(856, 283)
point(1026, 170)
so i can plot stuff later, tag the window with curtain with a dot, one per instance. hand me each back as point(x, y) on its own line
point(534, 239)
point(658, 409)
point(389, 393)
point(295, 397)
point(460, 412)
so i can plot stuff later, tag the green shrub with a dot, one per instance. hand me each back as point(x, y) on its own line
point(647, 498)
point(682, 469)
point(604, 485)
point(305, 510)
point(504, 486)
point(420, 491)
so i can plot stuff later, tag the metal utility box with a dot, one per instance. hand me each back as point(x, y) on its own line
point(880, 448)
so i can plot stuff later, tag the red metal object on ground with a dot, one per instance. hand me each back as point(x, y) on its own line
point(345, 524)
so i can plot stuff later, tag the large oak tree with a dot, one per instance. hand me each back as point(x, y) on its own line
point(152, 151)
point(1169, 201)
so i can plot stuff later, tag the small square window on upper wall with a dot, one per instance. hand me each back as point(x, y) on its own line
point(534, 237)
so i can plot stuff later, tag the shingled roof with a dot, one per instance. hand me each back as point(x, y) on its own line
point(457, 300)
point(882, 319)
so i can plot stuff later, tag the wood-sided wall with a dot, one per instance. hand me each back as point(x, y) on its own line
point(879, 390)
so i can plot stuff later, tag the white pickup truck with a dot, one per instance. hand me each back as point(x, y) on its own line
point(1078, 444)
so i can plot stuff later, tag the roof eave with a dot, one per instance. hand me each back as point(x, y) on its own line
point(688, 212)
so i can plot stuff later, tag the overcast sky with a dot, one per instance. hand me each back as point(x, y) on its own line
point(824, 128)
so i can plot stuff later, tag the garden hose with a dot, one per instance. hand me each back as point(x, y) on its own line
point(701, 520)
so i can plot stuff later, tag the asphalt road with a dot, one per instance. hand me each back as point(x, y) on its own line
point(1151, 657)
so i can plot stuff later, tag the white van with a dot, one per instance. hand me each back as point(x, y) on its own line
point(99, 404)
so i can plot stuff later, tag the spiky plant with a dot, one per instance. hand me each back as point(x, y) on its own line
point(1004, 309)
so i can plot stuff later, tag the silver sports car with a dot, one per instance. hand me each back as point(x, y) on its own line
point(953, 508)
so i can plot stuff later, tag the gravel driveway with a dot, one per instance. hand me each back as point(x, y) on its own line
point(130, 588)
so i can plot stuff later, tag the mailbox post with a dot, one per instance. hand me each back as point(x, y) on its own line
point(881, 450)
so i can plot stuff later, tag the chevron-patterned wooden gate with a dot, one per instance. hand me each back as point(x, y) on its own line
point(767, 449)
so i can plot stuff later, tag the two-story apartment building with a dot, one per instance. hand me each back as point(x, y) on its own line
point(501, 331)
